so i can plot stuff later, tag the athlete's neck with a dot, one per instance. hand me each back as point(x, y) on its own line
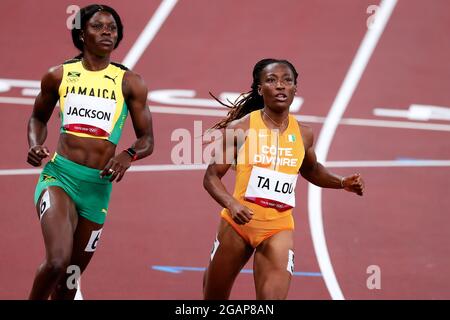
point(278, 119)
point(93, 62)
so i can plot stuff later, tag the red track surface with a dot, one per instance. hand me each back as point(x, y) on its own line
point(166, 218)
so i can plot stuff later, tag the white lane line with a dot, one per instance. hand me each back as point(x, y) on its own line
point(221, 113)
point(19, 172)
point(15, 100)
point(302, 118)
point(149, 32)
point(326, 135)
point(189, 111)
point(422, 112)
point(136, 168)
point(394, 124)
point(192, 167)
point(387, 163)
point(6, 84)
point(168, 167)
point(310, 119)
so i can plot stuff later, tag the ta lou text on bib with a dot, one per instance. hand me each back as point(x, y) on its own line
point(271, 189)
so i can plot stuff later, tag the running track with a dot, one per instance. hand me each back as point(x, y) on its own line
point(165, 218)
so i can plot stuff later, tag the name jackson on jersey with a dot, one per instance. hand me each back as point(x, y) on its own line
point(89, 113)
point(101, 93)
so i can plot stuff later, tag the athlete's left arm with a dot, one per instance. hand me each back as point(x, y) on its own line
point(136, 98)
point(317, 174)
point(135, 94)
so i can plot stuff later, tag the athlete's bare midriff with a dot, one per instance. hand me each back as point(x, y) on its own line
point(89, 152)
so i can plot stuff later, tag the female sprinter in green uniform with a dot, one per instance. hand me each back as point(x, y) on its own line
point(74, 187)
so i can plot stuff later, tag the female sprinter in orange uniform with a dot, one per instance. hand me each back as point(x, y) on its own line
point(257, 218)
point(74, 187)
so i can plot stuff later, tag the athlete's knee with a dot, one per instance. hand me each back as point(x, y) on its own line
point(56, 266)
point(273, 285)
point(272, 291)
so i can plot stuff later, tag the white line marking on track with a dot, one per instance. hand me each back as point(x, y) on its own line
point(395, 124)
point(168, 167)
point(221, 113)
point(193, 167)
point(19, 172)
point(15, 100)
point(326, 135)
point(421, 112)
point(149, 32)
point(387, 163)
point(302, 118)
point(8, 83)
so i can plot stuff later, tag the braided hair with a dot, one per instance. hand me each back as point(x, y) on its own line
point(251, 100)
point(84, 15)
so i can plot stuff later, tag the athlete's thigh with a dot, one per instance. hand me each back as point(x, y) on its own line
point(58, 217)
point(229, 255)
point(273, 265)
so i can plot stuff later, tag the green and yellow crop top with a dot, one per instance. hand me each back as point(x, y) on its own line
point(91, 102)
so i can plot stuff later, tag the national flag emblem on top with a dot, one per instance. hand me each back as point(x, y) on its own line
point(73, 74)
point(291, 137)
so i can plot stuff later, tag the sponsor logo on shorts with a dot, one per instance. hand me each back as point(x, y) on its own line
point(48, 178)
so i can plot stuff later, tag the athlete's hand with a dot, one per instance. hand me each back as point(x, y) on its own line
point(239, 213)
point(36, 154)
point(117, 166)
point(354, 183)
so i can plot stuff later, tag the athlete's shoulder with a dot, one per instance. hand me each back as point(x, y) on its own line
point(120, 66)
point(134, 84)
point(71, 61)
point(241, 123)
point(307, 134)
point(132, 76)
point(305, 128)
point(52, 78)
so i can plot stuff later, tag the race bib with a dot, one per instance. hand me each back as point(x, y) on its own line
point(89, 115)
point(271, 189)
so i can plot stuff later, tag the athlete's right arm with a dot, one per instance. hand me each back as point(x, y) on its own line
point(219, 166)
point(43, 108)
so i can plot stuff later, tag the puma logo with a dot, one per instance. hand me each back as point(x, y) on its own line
point(113, 79)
